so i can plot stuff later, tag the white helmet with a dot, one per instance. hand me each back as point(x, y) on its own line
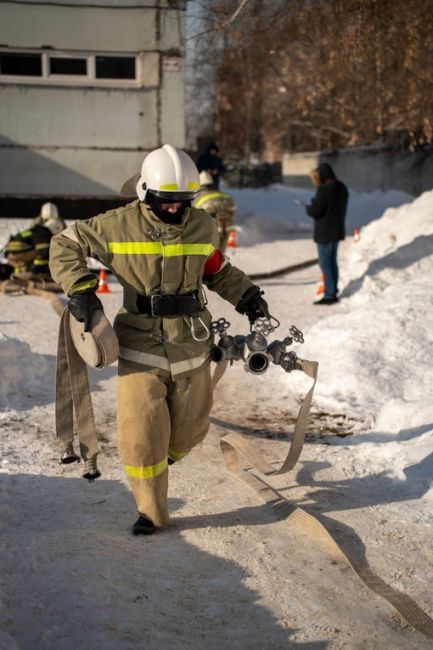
point(206, 179)
point(49, 211)
point(168, 173)
point(54, 225)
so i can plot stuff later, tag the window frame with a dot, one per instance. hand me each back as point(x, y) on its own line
point(90, 79)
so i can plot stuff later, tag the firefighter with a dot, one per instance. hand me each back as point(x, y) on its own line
point(219, 205)
point(162, 251)
point(28, 251)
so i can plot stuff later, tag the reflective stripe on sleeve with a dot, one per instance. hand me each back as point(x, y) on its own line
point(82, 286)
point(157, 248)
point(40, 262)
point(146, 471)
point(40, 247)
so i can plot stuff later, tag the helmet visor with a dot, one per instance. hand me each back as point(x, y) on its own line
point(174, 197)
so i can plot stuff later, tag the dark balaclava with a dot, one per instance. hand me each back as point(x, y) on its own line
point(154, 202)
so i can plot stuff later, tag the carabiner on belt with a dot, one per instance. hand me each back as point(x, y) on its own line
point(193, 331)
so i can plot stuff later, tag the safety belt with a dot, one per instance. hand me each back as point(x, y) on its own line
point(241, 458)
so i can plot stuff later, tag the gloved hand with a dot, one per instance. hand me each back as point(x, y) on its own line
point(253, 305)
point(82, 306)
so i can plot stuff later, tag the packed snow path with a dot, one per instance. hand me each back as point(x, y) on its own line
point(227, 573)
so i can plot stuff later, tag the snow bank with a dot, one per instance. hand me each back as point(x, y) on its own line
point(266, 214)
point(25, 376)
point(375, 358)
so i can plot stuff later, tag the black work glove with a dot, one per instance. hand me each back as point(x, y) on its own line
point(253, 305)
point(82, 306)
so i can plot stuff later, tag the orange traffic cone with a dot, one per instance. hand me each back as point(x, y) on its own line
point(356, 235)
point(231, 240)
point(320, 287)
point(103, 286)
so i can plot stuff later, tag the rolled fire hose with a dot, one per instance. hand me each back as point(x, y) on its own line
point(78, 349)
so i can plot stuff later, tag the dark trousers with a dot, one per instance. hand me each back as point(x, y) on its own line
point(329, 267)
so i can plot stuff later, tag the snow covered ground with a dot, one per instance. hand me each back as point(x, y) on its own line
point(228, 572)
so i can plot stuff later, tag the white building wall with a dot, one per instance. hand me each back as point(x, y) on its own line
point(82, 140)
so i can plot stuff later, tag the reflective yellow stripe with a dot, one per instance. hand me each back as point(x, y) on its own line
point(193, 186)
point(25, 233)
point(82, 286)
point(149, 471)
point(19, 246)
point(216, 195)
point(41, 246)
point(177, 455)
point(157, 248)
point(40, 262)
point(169, 186)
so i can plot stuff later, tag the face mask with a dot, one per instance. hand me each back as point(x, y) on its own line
point(167, 217)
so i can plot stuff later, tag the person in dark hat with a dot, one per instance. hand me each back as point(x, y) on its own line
point(328, 209)
point(212, 163)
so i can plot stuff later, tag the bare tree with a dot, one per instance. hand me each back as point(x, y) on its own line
point(317, 74)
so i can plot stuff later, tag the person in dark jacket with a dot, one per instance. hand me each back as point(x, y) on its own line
point(212, 163)
point(328, 209)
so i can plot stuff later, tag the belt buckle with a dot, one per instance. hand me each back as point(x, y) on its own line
point(155, 299)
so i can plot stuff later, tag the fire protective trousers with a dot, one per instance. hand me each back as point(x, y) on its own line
point(159, 418)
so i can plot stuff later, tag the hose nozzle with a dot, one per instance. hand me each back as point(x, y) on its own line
point(257, 363)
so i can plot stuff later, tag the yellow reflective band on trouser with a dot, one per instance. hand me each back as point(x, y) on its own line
point(158, 248)
point(177, 455)
point(147, 471)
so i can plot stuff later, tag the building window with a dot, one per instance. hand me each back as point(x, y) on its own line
point(115, 67)
point(62, 68)
point(20, 64)
point(68, 65)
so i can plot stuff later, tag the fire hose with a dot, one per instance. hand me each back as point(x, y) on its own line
point(241, 458)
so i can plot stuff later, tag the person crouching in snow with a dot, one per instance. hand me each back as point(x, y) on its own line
point(28, 251)
point(162, 251)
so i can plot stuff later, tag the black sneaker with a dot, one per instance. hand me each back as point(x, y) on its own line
point(143, 526)
point(326, 301)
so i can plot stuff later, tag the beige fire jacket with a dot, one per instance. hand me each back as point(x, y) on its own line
point(148, 256)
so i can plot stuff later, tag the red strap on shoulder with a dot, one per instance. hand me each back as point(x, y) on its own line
point(213, 263)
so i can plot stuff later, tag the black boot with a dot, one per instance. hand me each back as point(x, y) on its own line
point(143, 526)
point(69, 455)
point(91, 471)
